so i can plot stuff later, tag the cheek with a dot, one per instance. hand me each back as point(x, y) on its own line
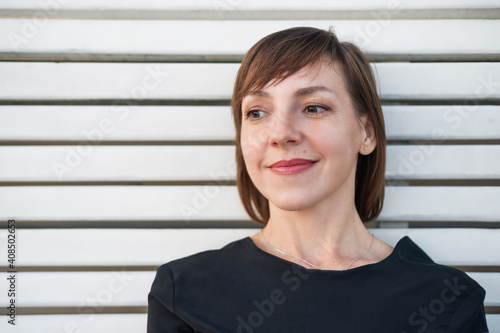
point(339, 141)
point(252, 155)
point(253, 144)
point(247, 146)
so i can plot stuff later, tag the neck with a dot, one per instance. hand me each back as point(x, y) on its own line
point(328, 236)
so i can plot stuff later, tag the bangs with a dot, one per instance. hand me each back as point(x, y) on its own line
point(276, 58)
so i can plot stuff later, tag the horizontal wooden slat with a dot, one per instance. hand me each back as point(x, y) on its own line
point(152, 247)
point(221, 203)
point(466, 121)
point(105, 323)
point(127, 123)
point(194, 5)
point(493, 322)
point(443, 162)
point(139, 203)
point(237, 9)
point(122, 288)
point(114, 163)
point(474, 81)
point(115, 247)
point(188, 123)
point(91, 322)
point(216, 163)
point(441, 203)
point(75, 39)
point(178, 81)
point(113, 288)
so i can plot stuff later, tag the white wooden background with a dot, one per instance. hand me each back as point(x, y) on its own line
point(117, 143)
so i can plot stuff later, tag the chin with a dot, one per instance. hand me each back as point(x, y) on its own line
point(291, 204)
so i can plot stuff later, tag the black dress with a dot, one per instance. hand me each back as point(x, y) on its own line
point(241, 288)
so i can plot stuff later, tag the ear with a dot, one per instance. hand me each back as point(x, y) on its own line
point(369, 141)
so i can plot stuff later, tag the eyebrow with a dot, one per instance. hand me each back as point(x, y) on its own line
point(258, 93)
point(311, 90)
point(300, 92)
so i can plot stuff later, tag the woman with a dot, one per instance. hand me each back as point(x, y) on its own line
point(310, 150)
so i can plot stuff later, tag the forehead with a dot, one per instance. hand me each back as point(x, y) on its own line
point(321, 73)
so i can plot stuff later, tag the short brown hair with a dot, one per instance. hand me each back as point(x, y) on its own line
point(283, 53)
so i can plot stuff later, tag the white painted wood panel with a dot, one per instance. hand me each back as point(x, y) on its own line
point(78, 289)
point(222, 203)
point(463, 121)
point(105, 323)
point(118, 81)
point(113, 163)
point(446, 203)
point(493, 322)
point(95, 322)
point(126, 123)
point(153, 247)
point(116, 247)
point(140, 203)
point(243, 10)
point(195, 5)
point(216, 163)
point(208, 39)
point(424, 81)
point(130, 288)
point(443, 162)
point(189, 123)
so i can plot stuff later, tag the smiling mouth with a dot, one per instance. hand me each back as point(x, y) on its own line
point(291, 167)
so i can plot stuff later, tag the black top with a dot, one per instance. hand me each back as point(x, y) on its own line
point(241, 288)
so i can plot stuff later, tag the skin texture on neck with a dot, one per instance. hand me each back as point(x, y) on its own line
point(329, 237)
point(330, 246)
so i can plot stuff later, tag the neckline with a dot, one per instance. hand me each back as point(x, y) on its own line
point(390, 257)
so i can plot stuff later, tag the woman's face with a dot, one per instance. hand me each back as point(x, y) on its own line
point(300, 139)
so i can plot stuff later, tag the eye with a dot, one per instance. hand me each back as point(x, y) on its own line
point(315, 109)
point(254, 114)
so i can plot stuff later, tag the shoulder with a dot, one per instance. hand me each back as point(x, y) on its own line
point(203, 263)
point(180, 283)
point(441, 289)
point(227, 255)
point(416, 261)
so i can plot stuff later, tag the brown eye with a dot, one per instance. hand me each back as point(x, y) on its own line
point(315, 109)
point(254, 114)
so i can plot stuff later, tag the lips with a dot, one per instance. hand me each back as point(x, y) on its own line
point(292, 166)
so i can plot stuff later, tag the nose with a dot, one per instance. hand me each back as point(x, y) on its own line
point(283, 131)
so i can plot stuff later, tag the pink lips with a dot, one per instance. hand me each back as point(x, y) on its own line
point(291, 167)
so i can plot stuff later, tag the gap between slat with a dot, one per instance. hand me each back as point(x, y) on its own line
point(231, 58)
point(232, 13)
